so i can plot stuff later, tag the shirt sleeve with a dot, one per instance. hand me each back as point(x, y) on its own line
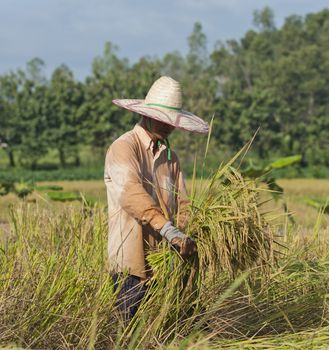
point(183, 202)
point(123, 168)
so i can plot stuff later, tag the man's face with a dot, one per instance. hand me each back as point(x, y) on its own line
point(160, 130)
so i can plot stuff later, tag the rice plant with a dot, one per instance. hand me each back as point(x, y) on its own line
point(238, 292)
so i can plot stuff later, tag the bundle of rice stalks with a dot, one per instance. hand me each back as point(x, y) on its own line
point(232, 237)
point(231, 234)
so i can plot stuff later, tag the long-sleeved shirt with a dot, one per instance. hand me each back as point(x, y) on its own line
point(144, 191)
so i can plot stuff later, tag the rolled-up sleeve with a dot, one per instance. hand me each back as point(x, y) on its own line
point(183, 201)
point(123, 169)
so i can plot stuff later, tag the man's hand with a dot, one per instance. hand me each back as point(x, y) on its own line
point(186, 246)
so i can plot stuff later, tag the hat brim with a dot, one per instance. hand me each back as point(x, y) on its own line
point(179, 119)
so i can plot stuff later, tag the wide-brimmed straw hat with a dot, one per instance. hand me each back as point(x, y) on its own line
point(163, 102)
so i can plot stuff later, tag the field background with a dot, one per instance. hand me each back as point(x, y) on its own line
point(295, 192)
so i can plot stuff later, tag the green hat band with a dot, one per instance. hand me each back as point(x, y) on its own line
point(164, 106)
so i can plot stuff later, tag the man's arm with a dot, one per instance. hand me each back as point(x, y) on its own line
point(182, 201)
point(123, 167)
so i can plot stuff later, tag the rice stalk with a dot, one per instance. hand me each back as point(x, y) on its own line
point(55, 291)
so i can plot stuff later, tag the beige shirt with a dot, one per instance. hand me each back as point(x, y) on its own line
point(142, 189)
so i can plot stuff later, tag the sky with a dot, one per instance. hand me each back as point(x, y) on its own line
point(75, 31)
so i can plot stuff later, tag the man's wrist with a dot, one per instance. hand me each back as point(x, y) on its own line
point(158, 222)
point(169, 232)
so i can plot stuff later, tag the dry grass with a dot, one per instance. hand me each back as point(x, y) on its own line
point(55, 291)
point(310, 187)
point(295, 191)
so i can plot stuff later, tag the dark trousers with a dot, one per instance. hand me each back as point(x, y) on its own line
point(130, 295)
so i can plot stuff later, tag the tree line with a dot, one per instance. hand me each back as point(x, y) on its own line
point(272, 79)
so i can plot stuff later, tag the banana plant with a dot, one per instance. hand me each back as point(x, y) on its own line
point(21, 189)
point(265, 173)
point(318, 204)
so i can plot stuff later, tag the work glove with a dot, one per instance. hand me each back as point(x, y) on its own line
point(184, 244)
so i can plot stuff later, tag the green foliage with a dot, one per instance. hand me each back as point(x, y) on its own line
point(266, 175)
point(49, 187)
point(10, 120)
point(273, 79)
point(6, 187)
point(22, 189)
point(76, 173)
point(66, 114)
point(285, 162)
point(318, 204)
point(33, 123)
point(264, 19)
point(64, 196)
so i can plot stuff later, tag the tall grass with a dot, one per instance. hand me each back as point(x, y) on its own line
point(56, 293)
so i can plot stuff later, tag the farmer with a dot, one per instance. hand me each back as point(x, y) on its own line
point(145, 189)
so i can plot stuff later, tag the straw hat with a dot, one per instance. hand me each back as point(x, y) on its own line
point(163, 102)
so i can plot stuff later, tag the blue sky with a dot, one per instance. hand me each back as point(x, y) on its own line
point(74, 31)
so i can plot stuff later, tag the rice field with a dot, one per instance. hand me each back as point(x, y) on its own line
point(260, 280)
point(295, 190)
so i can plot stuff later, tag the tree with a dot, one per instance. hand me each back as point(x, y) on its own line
point(264, 19)
point(10, 123)
point(197, 55)
point(173, 65)
point(199, 93)
point(275, 79)
point(30, 107)
point(109, 80)
point(65, 114)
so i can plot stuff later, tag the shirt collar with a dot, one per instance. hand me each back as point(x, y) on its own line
point(145, 138)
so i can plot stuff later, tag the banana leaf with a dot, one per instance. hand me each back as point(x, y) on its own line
point(317, 204)
point(285, 162)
